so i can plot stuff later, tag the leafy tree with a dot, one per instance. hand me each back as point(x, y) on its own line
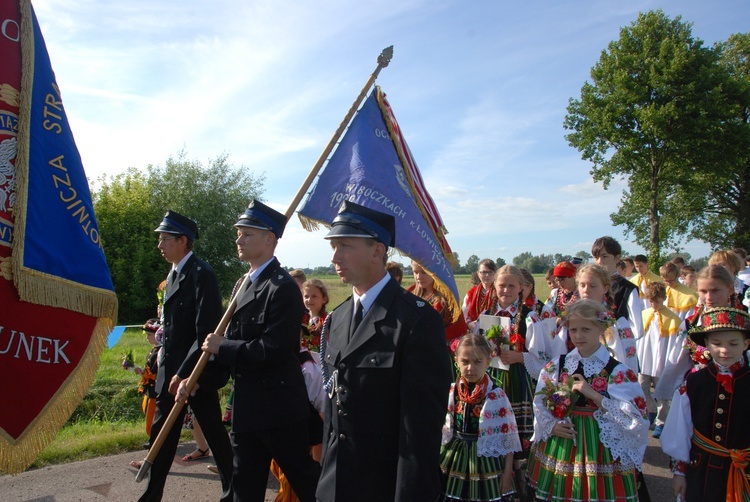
point(722, 209)
point(129, 206)
point(560, 258)
point(655, 108)
point(534, 264)
point(585, 256)
point(214, 196)
point(126, 222)
point(499, 262)
point(472, 264)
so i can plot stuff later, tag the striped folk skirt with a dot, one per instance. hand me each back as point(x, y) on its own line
point(467, 477)
point(558, 470)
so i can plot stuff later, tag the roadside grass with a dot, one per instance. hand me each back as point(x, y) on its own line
point(109, 419)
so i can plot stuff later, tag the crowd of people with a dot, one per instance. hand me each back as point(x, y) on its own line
point(549, 400)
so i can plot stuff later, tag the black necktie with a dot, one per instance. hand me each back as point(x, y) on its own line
point(356, 319)
point(172, 279)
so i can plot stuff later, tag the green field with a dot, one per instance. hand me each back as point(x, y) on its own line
point(109, 419)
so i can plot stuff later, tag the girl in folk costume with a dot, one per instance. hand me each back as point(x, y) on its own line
point(564, 274)
point(715, 289)
point(594, 284)
point(590, 426)
point(734, 264)
point(315, 297)
point(513, 351)
point(662, 327)
point(482, 296)
point(680, 299)
point(529, 292)
point(480, 434)
point(565, 277)
point(706, 430)
point(424, 287)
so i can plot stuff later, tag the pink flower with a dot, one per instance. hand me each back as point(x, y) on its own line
point(631, 375)
point(491, 396)
point(599, 384)
point(619, 377)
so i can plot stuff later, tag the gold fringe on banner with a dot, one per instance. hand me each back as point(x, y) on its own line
point(17, 456)
point(44, 289)
point(33, 286)
point(439, 232)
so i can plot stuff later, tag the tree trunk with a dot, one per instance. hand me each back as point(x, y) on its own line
point(653, 219)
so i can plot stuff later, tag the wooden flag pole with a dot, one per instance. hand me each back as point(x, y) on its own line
point(192, 379)
point(383, 59)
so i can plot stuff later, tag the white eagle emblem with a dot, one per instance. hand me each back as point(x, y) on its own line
point(420, 304)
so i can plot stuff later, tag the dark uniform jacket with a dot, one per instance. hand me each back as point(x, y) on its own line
point(722, 417)
point(383, 422)
point(192, 310)
point(261, 347)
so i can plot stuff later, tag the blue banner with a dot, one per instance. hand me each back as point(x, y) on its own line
point(366, 169)
point(56, 236)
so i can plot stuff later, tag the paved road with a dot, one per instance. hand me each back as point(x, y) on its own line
point(112, 479)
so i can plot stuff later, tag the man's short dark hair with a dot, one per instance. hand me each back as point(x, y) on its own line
point(608, 244)
point(640, 258)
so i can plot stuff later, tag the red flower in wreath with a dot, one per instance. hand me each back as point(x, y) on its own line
point(722, 318)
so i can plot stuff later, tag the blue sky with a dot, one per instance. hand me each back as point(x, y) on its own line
point(479, 88)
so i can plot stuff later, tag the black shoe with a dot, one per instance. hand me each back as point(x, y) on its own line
point(146, 445)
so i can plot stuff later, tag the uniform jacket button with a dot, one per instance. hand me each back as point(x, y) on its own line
point(342, 366)
point(342, 437)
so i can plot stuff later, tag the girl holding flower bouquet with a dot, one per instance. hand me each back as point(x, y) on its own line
point(591, 423)
point(521, 350)
point(480, 434)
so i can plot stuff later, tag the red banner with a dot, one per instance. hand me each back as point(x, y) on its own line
point(48, 355)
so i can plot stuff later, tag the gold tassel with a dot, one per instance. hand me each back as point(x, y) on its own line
point(37, 287)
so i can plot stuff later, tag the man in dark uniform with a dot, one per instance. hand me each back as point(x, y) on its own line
point(192, 309)
point(261, 345)
point(390, 375)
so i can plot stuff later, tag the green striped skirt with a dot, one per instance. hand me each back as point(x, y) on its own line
point(558, 470)
point(467, 477)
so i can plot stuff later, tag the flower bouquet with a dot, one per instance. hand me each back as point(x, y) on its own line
point(499, 339)
point(698, 353)
point(558, 397)
point(127, 361)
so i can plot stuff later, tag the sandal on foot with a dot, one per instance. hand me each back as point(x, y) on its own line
point(191, 456)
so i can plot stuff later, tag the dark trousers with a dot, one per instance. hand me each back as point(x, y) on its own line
point(207, 410)
point(289, 446)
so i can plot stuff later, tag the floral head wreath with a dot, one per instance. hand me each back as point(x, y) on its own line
point(604, 317)
point(720, 319)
